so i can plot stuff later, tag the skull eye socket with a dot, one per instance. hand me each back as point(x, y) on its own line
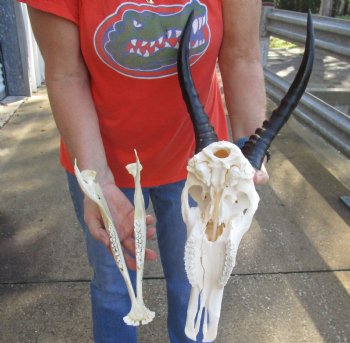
point(199, 194)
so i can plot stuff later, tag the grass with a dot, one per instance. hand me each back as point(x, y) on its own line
point(277, 43)
point(346, 17)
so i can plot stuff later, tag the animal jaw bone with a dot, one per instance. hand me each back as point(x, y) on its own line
point(220, 180)
point(139, 313)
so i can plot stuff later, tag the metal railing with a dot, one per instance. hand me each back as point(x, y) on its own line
point(332, 36)
point(2, 77)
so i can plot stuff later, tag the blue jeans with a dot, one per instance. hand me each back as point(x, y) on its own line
point(109, 296)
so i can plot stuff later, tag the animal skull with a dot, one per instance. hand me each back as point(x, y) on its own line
point(220, 180)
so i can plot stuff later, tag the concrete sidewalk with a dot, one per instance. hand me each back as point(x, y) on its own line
point(292, 279)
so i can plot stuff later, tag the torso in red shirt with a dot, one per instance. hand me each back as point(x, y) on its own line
point(130, 49)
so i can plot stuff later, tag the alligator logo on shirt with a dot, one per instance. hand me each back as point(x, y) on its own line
point(141, 40)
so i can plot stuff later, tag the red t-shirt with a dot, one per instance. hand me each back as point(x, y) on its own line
point(130, 50)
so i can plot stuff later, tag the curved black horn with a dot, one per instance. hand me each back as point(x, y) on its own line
point(256, 147)
point(204, 131)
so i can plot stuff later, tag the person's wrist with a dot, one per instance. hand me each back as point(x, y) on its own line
point(104, 176)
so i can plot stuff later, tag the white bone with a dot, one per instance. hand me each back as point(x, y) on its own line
point(220, 180)
point(87, 181)
point(140, 312)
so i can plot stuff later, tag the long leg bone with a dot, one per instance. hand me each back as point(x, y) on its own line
point(92, 189)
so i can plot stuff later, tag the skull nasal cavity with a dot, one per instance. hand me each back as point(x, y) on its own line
point(213, 233)
point(222, 153)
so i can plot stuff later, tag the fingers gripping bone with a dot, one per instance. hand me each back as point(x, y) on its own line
point(86, 179)
point(220, 180)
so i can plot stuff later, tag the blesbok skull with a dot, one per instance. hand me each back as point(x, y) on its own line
point(220, 180)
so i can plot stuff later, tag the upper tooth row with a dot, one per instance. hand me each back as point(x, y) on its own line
point(198, 23)
point(147, 54)
point(170, 33)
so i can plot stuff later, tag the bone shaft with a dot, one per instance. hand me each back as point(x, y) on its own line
point(216, 215)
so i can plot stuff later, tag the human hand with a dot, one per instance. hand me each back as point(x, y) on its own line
point(261, 176)
point(122, 213)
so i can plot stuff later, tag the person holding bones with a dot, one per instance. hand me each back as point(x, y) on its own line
point(112, 85)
